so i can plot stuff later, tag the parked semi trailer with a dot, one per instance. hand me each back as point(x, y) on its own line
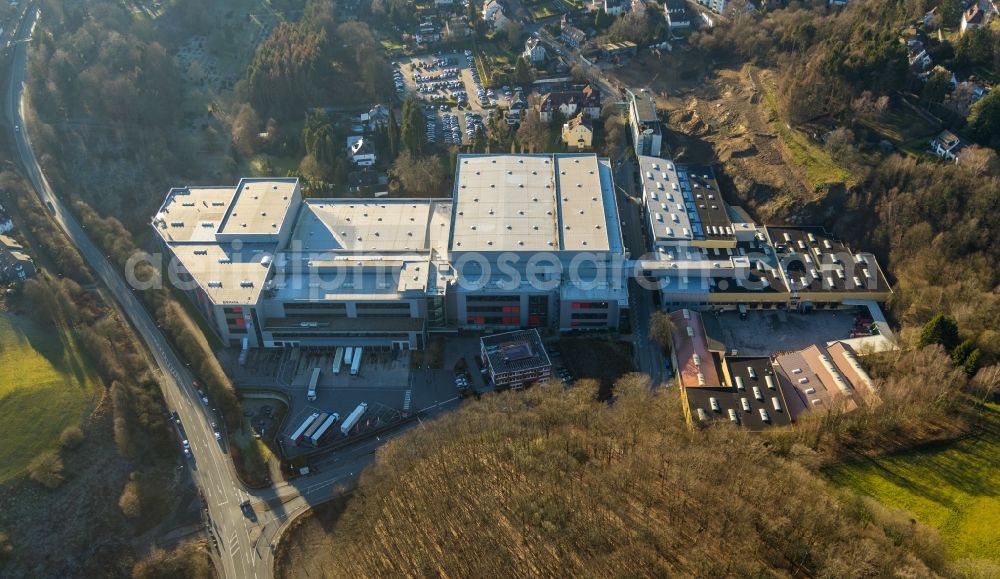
point(338, 360)
point(323, 428)
point(313, 381)
point(297, 435)
point(307, 435)
point(356, 363)
point(353, 418)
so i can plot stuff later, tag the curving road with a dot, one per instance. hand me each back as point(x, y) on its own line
point(211, 469)
point(245, 545)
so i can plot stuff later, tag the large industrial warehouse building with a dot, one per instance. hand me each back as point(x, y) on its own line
point(525, 241)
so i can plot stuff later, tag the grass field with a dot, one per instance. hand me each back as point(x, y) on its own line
point(45, 386)
point(954, 488)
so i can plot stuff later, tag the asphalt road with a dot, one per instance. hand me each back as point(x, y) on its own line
point(648, 358)
point(244, 545)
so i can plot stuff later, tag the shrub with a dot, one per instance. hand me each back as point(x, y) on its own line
point(71, 437)
point(47, 469)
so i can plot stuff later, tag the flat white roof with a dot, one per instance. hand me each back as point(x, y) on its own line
point(193, 214)
point(355, 225)
point(581, 204)
point(505, 203)
point(259, 206)
point(534, 203)
point(226, 275)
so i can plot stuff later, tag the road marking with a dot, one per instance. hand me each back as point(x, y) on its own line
point(406, 399)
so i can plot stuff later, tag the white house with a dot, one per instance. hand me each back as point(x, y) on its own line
point(979, 14)
point(361, 151)
point(493, 15)
point(947, 145)
point(534, 51)
point(617, 7)
point(5, 223)
point(676, 14)
point(717, 6)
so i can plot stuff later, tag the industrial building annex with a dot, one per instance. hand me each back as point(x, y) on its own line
point(526, 241)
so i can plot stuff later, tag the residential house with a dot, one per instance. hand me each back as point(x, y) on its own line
point(952, 79)
point(620, 49)
point(965, 94)
point(357, 180)
point(15, 264)
point(979, 14)
point(361, 151)
point(493, 15)
point(917, 55)
point(534, 51)
point(947, 145)
point(5, 223)
point(571, 35)
point(517, 107)
point(677, 14)
point(929, 16)
point(457, 28)
point(377, 116)
point(578, 132)
point(717, 6)
point(568, 103)
point(427, 33)
point(617, 7)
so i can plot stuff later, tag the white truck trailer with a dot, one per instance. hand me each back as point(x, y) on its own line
point(353, 418)
point(338, 360)
point(297, 435)
point(323, 428)
point(313, 381)
point(356, 363)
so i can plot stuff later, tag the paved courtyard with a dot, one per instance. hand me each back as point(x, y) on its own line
point(764, 333)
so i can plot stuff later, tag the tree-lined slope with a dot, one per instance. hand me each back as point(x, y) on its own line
point(550, 482)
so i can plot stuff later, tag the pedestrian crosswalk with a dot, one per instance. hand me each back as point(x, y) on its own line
point(406, 400)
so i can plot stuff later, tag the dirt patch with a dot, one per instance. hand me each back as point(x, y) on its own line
point(723, 118)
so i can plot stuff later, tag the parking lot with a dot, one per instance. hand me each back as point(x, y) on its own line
point(457, 104)
point(384, 381)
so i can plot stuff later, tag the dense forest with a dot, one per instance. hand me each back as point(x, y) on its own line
point(552, 482)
